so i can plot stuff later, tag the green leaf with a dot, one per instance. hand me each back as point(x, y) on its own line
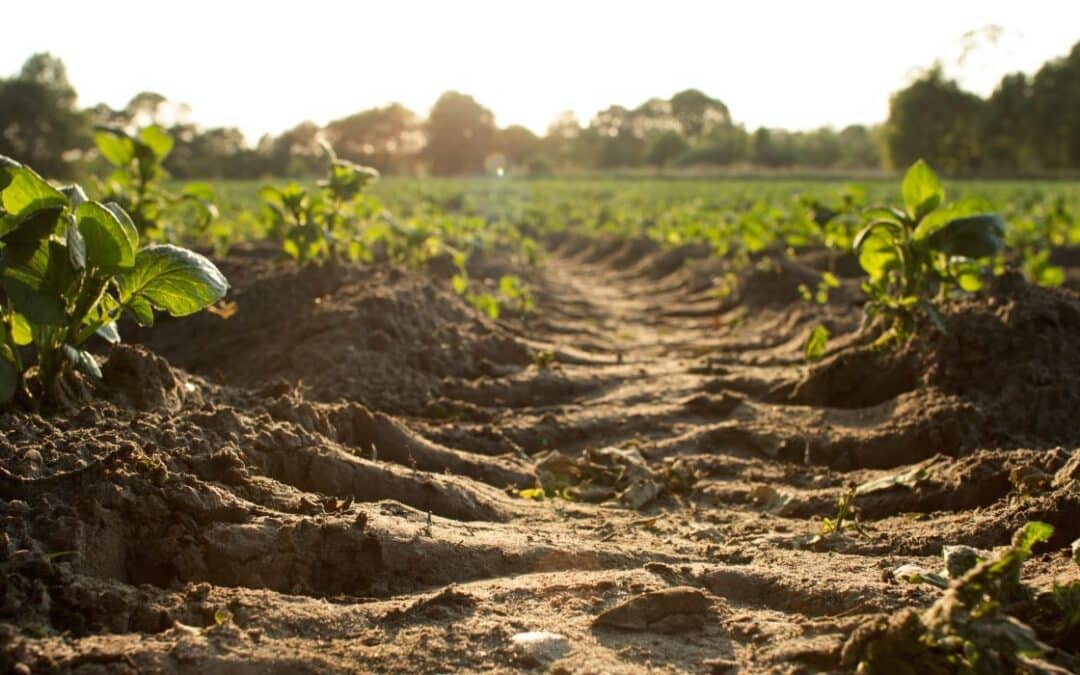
point(21, 332)
point(110, 243)
point(35, 279)
point(115, 146)
point(173, 279)
point(158, 140)
point(9, 380)
point(125, 221)
point(25, 195)
point(141, 310)
point(819, 340)
point(76, 246)
point(978, 236)
point(39, 226)
point(1034, 533)
point(921, 190)
point(887, 227)
point(878, 255)
point(967, 206)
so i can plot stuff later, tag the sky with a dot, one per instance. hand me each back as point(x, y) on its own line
point(266, 66)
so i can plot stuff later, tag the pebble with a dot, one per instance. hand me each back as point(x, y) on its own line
point(540, 647)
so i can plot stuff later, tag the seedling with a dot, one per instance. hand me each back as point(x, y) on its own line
point(969, 629)
point(69, 267)
point(816, 344)
point(322, 224)
point(135, 183)
point(916, 256)
point(845, 516)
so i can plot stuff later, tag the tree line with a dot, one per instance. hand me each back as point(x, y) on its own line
point(1027, 125)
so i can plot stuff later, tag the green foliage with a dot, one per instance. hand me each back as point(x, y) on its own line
point(136, 182)
point(69, 267)
point(316, 225)
point(921, 253)
point(969, 629)
point(817, 343)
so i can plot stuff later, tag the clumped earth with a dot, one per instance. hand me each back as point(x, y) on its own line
point(331, 479)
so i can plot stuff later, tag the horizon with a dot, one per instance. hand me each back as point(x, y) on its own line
point(530, 79)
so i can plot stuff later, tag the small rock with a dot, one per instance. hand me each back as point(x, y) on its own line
point(671, 610)
point(540, 647)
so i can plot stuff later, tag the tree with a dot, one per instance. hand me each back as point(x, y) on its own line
point(698, 114)
point(460, 133)
point(39, 124)
point(666, 147)
point(387, 138)
point(933, 119)
point(1055, 100)
point(517, 144)
point(1005, 132)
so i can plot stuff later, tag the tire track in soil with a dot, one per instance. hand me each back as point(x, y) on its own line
point(271, 566)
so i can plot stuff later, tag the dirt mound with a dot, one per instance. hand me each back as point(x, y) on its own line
point(1015, 352)
point(381, 336)
point(1012, 354)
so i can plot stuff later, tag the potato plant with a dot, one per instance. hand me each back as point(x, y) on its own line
point(916, 255)
point(136, 182)
point(69, 268)
point(323, 224)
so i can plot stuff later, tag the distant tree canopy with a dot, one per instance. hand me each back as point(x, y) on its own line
point(39, 123)
point(460, 133)
point(1028, 124)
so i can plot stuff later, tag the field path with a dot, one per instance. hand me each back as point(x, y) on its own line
point(380, 480)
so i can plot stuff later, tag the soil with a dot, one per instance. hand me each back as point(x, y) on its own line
point(328, 479)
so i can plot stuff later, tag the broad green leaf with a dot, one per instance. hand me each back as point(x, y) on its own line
point(39, 226)
point(110, 244)
point(35, 279)
point(158, 140)
point(888, 228)
point(9, 380)
point(921, 190)
point(21, 332)
point(125, 221)
point(82, 361)
point(76, 246)
point(878, 254)
point(172, 279)
point(25, 195)
point(115, 146)
point(971, 237)
point(141, 310)
point(819, 340)
point(933, 222)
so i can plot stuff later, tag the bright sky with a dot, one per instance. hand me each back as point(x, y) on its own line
point(266, 66)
